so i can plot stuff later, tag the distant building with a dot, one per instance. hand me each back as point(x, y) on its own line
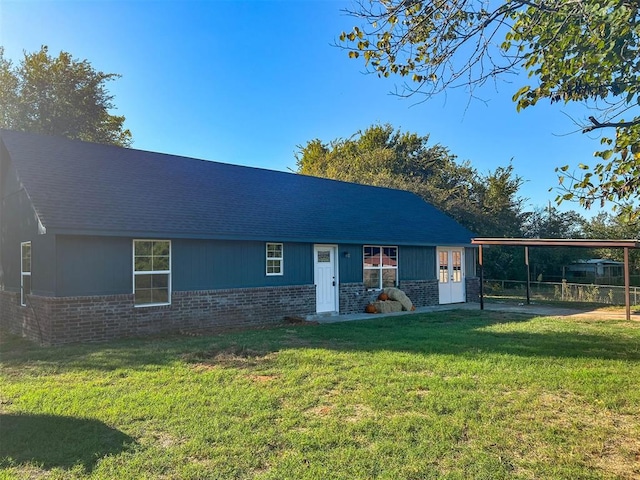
point(596, 270)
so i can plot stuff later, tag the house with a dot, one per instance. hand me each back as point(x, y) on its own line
point(100, 242)
point(595, 270)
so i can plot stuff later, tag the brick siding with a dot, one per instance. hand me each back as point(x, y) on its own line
point(423, 293)
point(24, 321)
point(472, 288)
point(354, 297)
point(59, 320)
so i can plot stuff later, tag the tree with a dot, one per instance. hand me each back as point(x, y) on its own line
point(59, 96)
point(378, 156)
point(486, 204)
point(551, 223)
point(549, 262)
point(573, 51)
point(606, 225)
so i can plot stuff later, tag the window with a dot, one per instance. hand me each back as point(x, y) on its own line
point(456, 265)
point(443, 262)
point(25, 272)
point(380, 267)
point(151, 272)
point(274, 258)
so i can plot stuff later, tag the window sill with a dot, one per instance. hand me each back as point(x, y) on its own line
point(152, 305)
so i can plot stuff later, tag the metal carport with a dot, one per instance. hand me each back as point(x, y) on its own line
point(558, 242)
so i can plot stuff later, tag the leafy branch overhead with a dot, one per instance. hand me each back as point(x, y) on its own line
point(572, 50)
point(59, 96)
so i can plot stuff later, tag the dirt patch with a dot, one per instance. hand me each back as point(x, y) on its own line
point(620, 453)
point(360, 412)
point(615, 449)
point(235, 356)
point(295, 320)
point(321, 410)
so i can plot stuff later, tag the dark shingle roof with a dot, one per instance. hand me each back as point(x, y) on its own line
point(106, 190)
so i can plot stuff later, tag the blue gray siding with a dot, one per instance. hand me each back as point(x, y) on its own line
point(103, 265)
point(208, 264)
point(43, 265)
point(350, 263)
point(417, 263)
point(93, 265)
point(19, 223)
point(470, 260)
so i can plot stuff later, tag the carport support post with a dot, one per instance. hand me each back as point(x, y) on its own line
point(627, 298)
point(526, 262)
point(481, 277)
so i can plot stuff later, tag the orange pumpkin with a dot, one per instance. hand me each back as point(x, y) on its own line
point(383, 297)
point(371, 308)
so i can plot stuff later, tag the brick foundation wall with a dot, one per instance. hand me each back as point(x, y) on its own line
point(29, 321)
point(472, 289)
point(423, 293)
point(58, 320)
point(354, 297)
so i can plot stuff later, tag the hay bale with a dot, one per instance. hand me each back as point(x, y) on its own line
point(388, 306)
point(398, 295)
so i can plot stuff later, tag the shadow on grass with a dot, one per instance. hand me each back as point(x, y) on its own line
point(456, 332)
point(51, 441)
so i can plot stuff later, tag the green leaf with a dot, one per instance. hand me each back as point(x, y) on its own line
point(520, 92)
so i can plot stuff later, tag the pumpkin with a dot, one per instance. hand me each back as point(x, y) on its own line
point(371, 308)
point(383, 297)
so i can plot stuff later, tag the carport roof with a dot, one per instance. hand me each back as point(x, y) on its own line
point(558, 242)
point(564, 242)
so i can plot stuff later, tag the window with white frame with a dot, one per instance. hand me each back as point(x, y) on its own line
point(152, 272)
point(380, 266)
point(443, 266)
point(456, 265)
point(275, 257)
point(25, 272)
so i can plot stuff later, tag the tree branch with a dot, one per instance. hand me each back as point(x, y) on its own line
point(597, 124)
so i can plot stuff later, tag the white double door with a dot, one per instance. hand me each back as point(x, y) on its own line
point(451, 275)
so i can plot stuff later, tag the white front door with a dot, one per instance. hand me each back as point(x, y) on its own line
point(325, 278)
point(451, 275)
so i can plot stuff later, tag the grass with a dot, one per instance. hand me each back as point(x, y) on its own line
point(454, 395)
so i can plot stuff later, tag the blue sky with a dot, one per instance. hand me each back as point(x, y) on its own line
point(245, 82)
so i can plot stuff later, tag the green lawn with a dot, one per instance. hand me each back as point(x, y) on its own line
point(458, 395)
